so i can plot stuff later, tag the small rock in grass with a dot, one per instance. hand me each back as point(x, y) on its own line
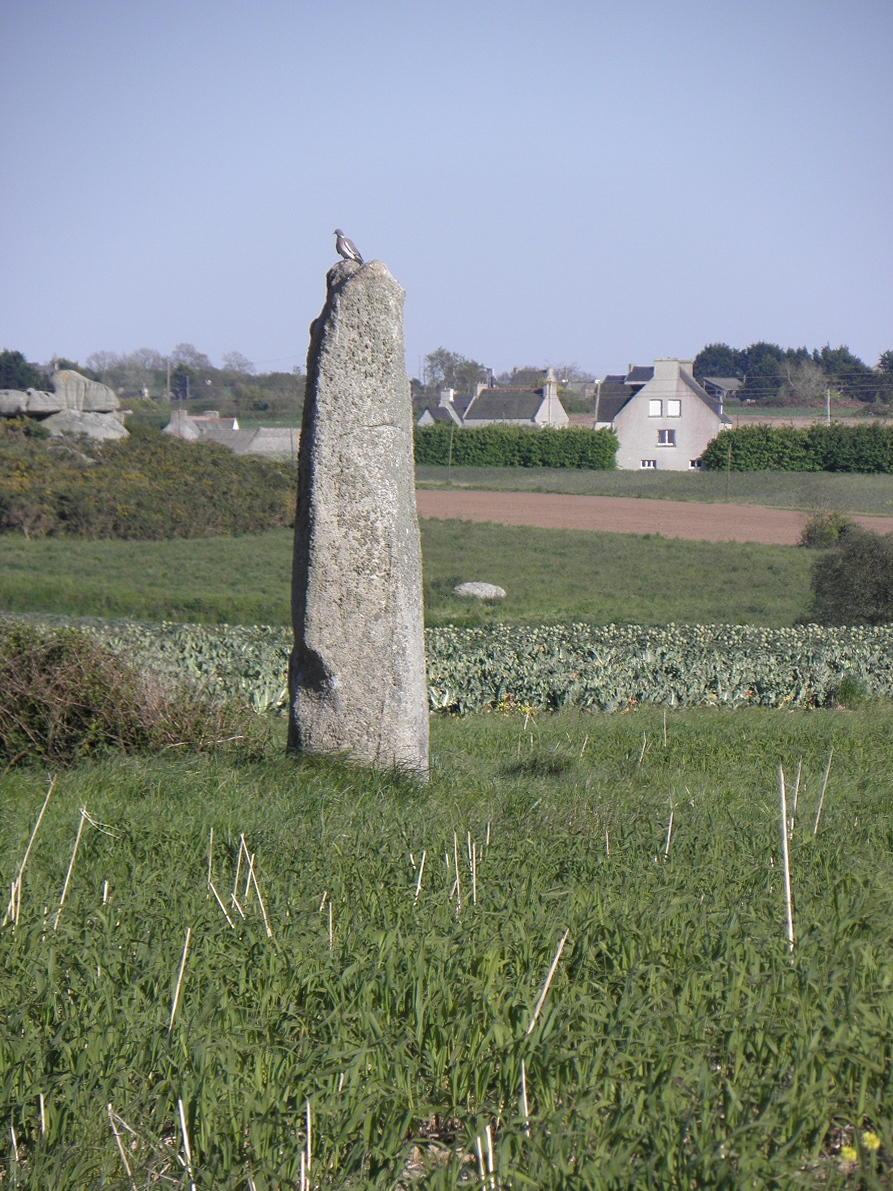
point(481, 591)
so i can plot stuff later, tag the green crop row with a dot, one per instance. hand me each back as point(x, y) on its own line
point(604, 668)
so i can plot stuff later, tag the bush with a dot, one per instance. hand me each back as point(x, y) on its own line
point(148, 486)
point(823, 529)
point(867, 449)
point(62, 696)
point(515, 446)
point(853, 583)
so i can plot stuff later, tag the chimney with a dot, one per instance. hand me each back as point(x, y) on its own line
point(446, 397)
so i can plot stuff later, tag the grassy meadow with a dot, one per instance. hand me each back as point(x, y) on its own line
point(378, 953)
point(808, 492)
point(551, 577)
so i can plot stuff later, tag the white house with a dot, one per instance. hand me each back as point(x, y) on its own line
point(662, 417)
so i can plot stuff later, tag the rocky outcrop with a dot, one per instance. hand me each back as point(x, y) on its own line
point(75, 406)
point(357, 683)
point(479, 591)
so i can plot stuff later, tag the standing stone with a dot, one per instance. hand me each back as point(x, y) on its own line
point(357, 681)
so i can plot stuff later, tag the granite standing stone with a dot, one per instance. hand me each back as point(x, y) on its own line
point(357, 681)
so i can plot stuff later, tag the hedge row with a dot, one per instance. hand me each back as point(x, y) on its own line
point(867, 448)
point(515, 446)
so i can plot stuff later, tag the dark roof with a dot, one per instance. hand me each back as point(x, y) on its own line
point(614, 379)
point(730, 383)
point(640, 374)
point(609, 404)
point(437, 413)
point(699, 391)
point(510, 405)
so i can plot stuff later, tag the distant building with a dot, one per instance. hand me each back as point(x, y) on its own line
point(209, 427)
point(490, 406)
point(662, 416)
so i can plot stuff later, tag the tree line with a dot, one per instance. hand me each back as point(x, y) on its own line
point(774, 375)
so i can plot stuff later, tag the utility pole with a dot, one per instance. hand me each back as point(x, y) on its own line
point(827, 407)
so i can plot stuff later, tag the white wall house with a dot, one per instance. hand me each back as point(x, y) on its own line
point(664, 423)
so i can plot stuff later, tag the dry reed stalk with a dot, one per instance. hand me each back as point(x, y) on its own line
point(187, 1149)
point(665, 727)
point(77, 840)
point(457, 886)
point(15, 899)
point(786, 863)
point(669, 833)
point(15, 1144)
point(487, 841)
point(818, 813)
point(331, 930)
point(121, 1150)
point(213, 889)
point(418, 884)
point(176, 1000)
point(480, 1154)
point(263, 908)
point(43, 1113)
point(543, 994)
point(491, 1165)
point(585, 742)
point(642, 753)
point(105, 893)
point(607, 843)
point(309, 1147)
point(525, 1111)
point(210, 856)
point(474, 875)
point(796, 794)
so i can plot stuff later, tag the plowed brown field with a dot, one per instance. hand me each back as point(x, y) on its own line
point(616, 514)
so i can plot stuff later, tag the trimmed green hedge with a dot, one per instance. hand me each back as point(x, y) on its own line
point(867, 448)
point(515, 446)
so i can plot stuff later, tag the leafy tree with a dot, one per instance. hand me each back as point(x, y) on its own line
point(17, 373)
point(186, 353)
point(718, 359)
point(853, 583)
point(236, 362)
point(885, 363)
point(446, 369)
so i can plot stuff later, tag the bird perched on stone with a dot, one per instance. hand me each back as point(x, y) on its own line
point(346, 248)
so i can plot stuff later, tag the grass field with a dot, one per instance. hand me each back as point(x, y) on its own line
point(804, 491)
point(550, 576)
point(385, 976)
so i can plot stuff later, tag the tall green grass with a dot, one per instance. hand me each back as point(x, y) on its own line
point(550, 576)
point(680, 1043)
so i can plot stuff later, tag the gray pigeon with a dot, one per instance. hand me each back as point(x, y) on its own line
point(347, 248)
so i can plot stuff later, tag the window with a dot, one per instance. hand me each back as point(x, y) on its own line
point(666, 438)
point(649, 463)
point(674, 408)
point(695, 464)
point(655, 409)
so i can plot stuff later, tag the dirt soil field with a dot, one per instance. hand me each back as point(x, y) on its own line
point(616, 514)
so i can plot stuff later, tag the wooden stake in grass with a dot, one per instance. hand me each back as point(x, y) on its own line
point(121, 1150)
point(669, 833)
point(187, 1149)
point(818, 813)
point(785, 859)
point(15, 898)
point(545, 991)
point(418, 884)
point(176, 1000)
point(74, 852)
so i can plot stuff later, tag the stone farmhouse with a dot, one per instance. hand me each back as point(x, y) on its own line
point(490, 406)
point(275, 441)
point(662, 416)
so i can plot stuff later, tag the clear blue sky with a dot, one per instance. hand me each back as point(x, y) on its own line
point(595, 182)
